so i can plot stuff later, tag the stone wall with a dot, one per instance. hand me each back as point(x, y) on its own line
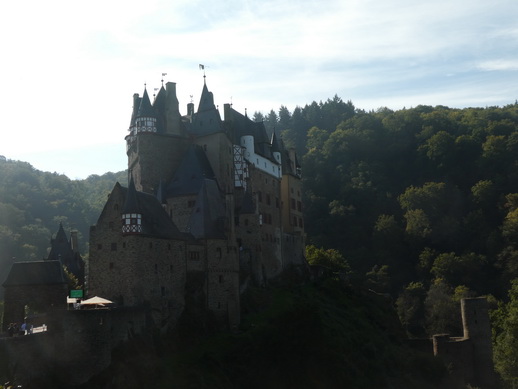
point(133, 270)
point(40, 298)
point(154, 157)
point(76, 346)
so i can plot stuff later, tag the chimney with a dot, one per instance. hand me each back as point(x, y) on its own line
point(172, 112)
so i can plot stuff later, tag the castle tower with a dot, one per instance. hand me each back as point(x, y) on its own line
point(477, 328)
point(156, 139)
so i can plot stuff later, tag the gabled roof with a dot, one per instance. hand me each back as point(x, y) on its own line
point(244, 126)
point(35, 273)
point(208, 217)
point(193, 170)
point(155, 221)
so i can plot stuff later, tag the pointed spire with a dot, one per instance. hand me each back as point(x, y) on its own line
point(131, 203)
point(61, 236)
point(145, 108)
point(206, 100)
point(276, 146)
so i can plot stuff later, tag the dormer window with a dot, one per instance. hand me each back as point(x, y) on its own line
point(131, 223)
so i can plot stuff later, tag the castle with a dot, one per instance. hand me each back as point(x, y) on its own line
point(212, 205)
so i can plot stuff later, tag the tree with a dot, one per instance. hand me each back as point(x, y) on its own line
point(410, 308)
point(505, 321)
point(329, 258)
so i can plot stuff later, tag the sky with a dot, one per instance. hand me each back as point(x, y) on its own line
point(70, 69)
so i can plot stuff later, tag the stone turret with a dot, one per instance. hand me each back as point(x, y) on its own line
point(477, 328)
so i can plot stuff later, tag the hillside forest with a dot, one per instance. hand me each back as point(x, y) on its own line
point(420, 204)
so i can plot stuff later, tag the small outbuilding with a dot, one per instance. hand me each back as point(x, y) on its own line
point(35, 287)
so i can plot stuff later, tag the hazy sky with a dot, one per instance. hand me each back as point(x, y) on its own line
point(69, 69)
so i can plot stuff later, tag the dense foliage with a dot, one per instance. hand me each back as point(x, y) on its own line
point(322, 335)
point(420, 203)
point(33, 203)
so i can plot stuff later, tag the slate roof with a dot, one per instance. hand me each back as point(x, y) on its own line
point(243, 126)
point(35, 273)
point(130, 203)
point(193, 170)
point(159, 106)
point(276, 146)
point(155, 221)
point(207, 119)
point(61, 250)
point(145, 109)
point(208, 217)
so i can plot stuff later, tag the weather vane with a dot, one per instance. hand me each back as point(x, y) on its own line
point(202, 67)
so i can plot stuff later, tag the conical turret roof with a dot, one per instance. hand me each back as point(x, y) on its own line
point(145, 109)
point(131, 202)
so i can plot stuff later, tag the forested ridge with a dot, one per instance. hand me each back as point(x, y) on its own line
point(419, 203)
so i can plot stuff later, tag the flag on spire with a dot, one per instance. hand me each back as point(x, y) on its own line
point(202, 67)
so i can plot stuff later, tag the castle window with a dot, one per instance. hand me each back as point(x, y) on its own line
point(150, 245)
point(293, 204)
point(169, 246)
point(277, 202)
point(123, 245)
point(116, 207)
point(219, 305)
point(195, 255)
point(99, 246)
point(246, 222)
point(111, 265)
point(218, 253)
point(156, 268)
point(191, 203)
point(301, 224)
point(162, 290)
point(295, 221)
point(220, 279)
point(267, 199)
point(299, 206)
point(113, 247)
point(171, 268)
point(260, 196)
